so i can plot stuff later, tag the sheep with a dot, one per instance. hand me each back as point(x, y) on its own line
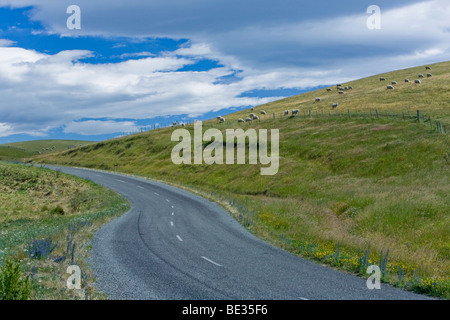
point(263, 112)
point(421, 76)
point(393, 82)
point(334, 105)
point(340, 88)
point(339, 85)
point(222, 119)
point(318, 99)
point(429, 75)
point(255, 117)
point(390, 87)
point(407, 80)
point(428, 68)
point(174, 124)
point(382, 79)
point(350, 87)
point(251, 109)
point(240, 120)
point(345, 88)
point(417, 81)
point(219, 117)
point(328, 89)
point(341, 92)
point(251, 115)
point(248, 119)
point(295, 111)
point(286, 112)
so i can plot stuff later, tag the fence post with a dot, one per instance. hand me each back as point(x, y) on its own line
point(274, 116)
point(378, 116)
point(348, 111)
point(310, 115)
point(440, 127)
point(418, 115)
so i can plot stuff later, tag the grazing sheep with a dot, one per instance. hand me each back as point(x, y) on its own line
point(248, 119)
point(393, 82)
point(428, 68)
point(421, 76)
point(334, 105)
point(350, 87)
point(222, 119)
point(219, 117)
point(429, 75)
point(417, 81)
point(390, 87)
point(251, 109)
point(251, 115)
point(174, 124)
point(339, 85)
point(340, 88)
point(382, 79)
point(341, 92)
point(263, 112)
point(318, 99)
point(407, 80)
point(255, 117)
point(328, 89)
point(286, 112)
point(345, 88)
point(240, 120)
point(295, 111)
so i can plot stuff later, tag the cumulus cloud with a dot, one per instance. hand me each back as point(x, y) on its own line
point(97, 127)
point(265, 44)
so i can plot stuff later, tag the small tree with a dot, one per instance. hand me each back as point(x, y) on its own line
point(13, 284)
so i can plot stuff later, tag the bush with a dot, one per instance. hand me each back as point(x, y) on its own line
point(57, 210)
point(41, 248)
point(13, 284)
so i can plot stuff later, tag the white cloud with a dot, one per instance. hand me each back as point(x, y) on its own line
point(6, 43)
point(97, 127)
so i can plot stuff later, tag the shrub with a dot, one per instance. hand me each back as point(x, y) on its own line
point(13, 284)
point(57, 210)
point(41, 248)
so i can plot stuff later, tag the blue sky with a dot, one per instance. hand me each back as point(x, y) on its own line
point(141, 64)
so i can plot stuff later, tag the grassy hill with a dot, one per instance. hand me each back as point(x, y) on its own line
point(47, 219)
point(17, 151)
point(350, 191)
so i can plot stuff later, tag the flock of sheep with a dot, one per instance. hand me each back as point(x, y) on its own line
point(417, 81)
point(340, 89)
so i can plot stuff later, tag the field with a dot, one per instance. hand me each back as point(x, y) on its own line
point(18, 151)
point(47, 220)
point(350, 191)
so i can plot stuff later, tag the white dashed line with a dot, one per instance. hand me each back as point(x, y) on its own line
point(167, 200)
point(156, 193)
point(301, 298)
point(120, 180)
point(140, 187)
point(179, 238)
point(171, 223)
point(173, 213)
point(173, 207)
point(210, 261)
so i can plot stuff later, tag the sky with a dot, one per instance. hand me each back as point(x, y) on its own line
point(140, 64)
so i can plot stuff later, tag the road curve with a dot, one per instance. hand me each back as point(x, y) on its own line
point(173, 245)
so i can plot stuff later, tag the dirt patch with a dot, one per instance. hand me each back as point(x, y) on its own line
point(381, 127)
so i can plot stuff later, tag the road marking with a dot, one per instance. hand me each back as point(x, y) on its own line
point(140, 187)
point(173, 213)
point(210, 261)
point(156, 193)
point(171, 223)
point(173, 207)
point(301, 298)
point(179, 238)
point(167, 200)
point(120, 180)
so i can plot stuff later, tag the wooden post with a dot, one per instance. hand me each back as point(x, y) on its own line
point(274, 116)
point(310, 115)
point(378, 116)
point(348, 111)
point(418, 115)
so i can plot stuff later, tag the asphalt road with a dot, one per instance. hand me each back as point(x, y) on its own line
point(174, 245)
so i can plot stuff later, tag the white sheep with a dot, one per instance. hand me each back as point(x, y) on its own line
point(341, 92)
point(318, 99)
point(407, 80)
point(255, 117)
point(393, 82)
point(240, 120)
point(286, 112)
point(328, 89)
point(334, 105)
point(350, 87)
point(248, 119)
point(428, 68)
point(251, 115)
point(429, 75)
point(421, 76)
point(390, 87)
point(417, 81)
point(251, 109)
point(382, 79)
point(263, 112)
point(295, 111)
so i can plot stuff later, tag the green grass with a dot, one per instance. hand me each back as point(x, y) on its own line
point(370, 184)
point(18, 151)
point(28, 196)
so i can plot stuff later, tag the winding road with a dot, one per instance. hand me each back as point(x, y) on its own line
point(173, 245)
